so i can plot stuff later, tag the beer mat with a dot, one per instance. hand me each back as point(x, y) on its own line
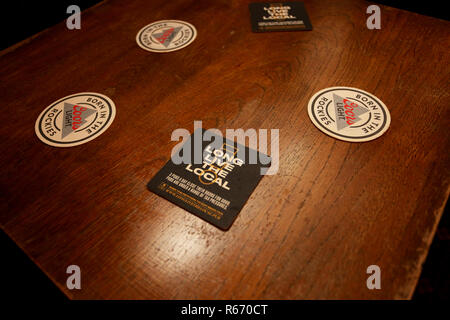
point(216, 187)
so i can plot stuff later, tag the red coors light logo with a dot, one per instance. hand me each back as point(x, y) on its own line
point(350, 115)
point(165, 35)
point(77, 116)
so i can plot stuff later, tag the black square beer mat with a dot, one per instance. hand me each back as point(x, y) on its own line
point(279, 16)
point(217, 187)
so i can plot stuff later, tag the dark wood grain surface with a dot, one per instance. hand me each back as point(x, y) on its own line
point(310, 231)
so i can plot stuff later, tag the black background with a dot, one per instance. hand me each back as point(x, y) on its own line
point(23, 280)
point(21, 19)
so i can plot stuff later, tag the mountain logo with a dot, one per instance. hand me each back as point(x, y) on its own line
point(349, 114)
point(166, 36)
point(75, 119)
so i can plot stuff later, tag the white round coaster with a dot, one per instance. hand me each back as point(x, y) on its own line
point(75, 119)
point(166, 36)
point(349, 114)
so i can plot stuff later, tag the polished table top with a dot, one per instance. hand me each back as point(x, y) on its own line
point(310, 231)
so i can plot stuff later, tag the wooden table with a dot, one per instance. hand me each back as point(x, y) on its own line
point(310, 231)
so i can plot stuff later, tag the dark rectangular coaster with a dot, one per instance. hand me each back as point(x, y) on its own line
point(279, 16)
point(215, 190)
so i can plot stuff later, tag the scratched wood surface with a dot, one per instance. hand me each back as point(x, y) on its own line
point(308, 232)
